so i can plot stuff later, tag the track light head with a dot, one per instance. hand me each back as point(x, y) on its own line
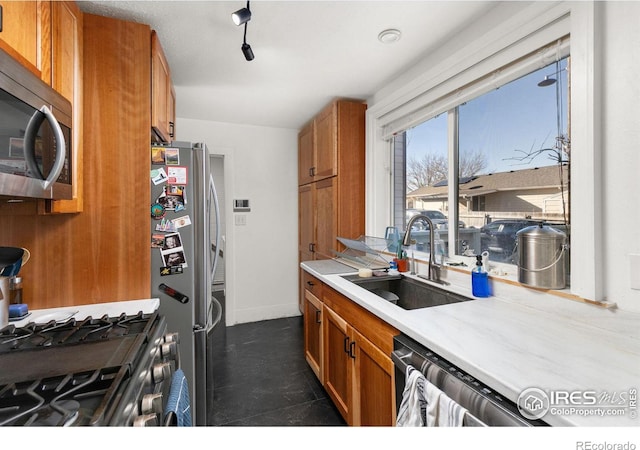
point(241, 16)
point(248, 53)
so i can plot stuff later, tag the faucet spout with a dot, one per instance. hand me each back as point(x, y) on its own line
point(433, 273)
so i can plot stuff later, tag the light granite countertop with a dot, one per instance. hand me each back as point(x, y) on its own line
point(96, 310)
point(523, 339)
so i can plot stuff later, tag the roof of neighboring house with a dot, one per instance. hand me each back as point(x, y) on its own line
point(536, 178)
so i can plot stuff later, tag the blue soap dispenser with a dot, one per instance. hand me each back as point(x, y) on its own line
point(479, 279)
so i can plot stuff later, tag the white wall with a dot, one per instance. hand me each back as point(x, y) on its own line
point(260, 164)
point(620, 155)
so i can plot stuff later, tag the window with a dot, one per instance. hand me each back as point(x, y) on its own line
point(469, 66)
point(511, 148)
point(477, 203)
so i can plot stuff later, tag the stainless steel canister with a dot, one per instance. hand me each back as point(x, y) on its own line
point(541, 259)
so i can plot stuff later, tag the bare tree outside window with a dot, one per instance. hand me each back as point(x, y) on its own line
point(432, 168)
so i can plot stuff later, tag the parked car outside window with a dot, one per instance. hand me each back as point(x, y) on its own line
point(439, 220)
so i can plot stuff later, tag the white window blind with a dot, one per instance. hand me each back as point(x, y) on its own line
point(541, 48)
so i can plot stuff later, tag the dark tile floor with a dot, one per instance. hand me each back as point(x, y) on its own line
point(261, 378)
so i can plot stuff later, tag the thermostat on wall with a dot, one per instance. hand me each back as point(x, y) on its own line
point(241, 205)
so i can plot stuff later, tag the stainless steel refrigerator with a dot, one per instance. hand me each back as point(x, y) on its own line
point(185, 234)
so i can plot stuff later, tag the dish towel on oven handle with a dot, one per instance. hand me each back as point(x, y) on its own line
point(424, 404)
point(178, 403)
point(450, 413)
point(412, 411)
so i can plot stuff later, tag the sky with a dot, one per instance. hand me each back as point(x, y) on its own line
point(518, 116)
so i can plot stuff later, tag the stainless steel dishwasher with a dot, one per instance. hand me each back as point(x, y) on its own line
point(484, 406)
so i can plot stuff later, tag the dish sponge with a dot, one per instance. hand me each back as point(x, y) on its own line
point(18, 310)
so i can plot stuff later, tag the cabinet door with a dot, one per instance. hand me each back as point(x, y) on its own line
point(66, 78)
point(313, 333)
point(374, 389)
point(326, 143)
point(306, 160)
point(326, 218)
point(172, 112)
point(338, 367)
point(160, 90)
point(306, 222)
point(25, 35)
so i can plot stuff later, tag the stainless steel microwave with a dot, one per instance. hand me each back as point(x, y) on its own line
point(35, 136)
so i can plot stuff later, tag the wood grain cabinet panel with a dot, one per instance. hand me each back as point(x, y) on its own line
point(374, 393)
point(66, 78)
point(358, 376)
point(162, 94)
point(306, 154)
point(101, 254)
point(326, 149)
point(351, 349)
point(331, 196)
point(338, 377)
point(25, 35)
point(326, 218)
point(313, 344)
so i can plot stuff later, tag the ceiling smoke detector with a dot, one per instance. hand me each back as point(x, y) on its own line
point(389, 36)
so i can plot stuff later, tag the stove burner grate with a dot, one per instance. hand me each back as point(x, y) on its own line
point(57, 401)
point(71, 331)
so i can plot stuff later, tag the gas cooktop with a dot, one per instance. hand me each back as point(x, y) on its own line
point(77, 371)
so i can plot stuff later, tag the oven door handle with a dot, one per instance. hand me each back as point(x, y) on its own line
point(30, 134)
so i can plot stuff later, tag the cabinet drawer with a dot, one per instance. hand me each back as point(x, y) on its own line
point(312, 284)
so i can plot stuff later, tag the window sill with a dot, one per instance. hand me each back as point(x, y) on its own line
point(504, 278)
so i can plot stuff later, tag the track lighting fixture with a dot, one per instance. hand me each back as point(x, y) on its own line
point(248, 53)
point(242, 16)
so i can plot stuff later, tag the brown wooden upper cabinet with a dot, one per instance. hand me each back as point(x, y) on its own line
point(306, 153)
point(24, 35)
point(46, 38)
point(331, 151)
point(66, 78)
point(322, 140)
point(163, 97)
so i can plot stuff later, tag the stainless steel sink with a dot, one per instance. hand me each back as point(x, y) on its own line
point(405, 292)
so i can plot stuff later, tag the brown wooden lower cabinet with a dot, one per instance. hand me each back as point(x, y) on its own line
point(374, 384)
point(313, 333)
point(338, 367)
point(354, 361)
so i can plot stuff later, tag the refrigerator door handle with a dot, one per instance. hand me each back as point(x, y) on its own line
point(216, 209)
point(211, 322)
point(214, 303)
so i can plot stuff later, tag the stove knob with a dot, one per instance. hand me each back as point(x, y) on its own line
point(169, 350)
point(172, 337)
point(147, 420)
point(151, 404)
point(161, 372)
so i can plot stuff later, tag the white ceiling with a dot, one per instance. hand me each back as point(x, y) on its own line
point(306, 52)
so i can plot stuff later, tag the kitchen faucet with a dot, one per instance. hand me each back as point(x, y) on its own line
point(433, 273)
